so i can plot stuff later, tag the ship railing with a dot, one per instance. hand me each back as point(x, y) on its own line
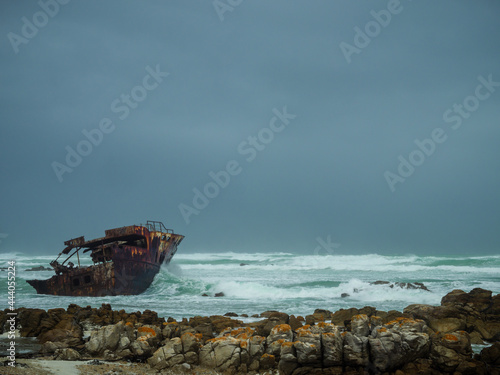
point(157, 226)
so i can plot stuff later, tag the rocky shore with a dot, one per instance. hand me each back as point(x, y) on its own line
point(422, 339)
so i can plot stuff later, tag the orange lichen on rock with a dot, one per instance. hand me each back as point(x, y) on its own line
point(324, 325)
point(265, 355)
point(359, 316)
point(147, 330)
point(450, 337)
point(281, 328)
point(129, 324)
point(244, 344)
point(382, 329)
point(401, 320)
point(288, 343)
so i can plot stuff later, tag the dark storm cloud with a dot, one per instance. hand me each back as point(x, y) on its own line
point(322, 175)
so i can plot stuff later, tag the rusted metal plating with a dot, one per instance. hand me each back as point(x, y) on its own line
point(126, 261)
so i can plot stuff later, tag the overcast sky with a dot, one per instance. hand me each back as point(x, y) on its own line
point(339, 101)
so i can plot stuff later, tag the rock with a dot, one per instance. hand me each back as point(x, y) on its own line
point(66, 331)
point(308, 346)
point(326, 314)
point(294, 322)
point(355, 350)
point(275, 318)
point(204, 295)
point(50, 347)
point(279, 334)
point(168, 355)
point(221, 353)
point(360, 325)
point(471, 367)
point(401, 285)
point(439, 318)
point(147, 340)
point(67, 354)
point(30, 321)
point(231, 314)
point(449, 350)
point(288, 359)
point(220, 323)
point(243, 264)
point(479, 299)
point(397, 343)
point(342, 316)
point(344, 295)
point(331, 343)
point(491, 355)
point(191, 342)
point(267, 361)
point(112, 341)
point(220, 294)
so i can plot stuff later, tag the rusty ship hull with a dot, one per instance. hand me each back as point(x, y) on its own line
point(125, 261)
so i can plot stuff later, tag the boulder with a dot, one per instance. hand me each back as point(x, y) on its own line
point(66, 331)
point(491, 355)
point(50, 347)
point(111, 341)
point(168, 355)
point(397, 343)
point(288, 358)
point(360, 325)
point(355, 350)
point(279, 334)
point(308, 346)
point(342, 316)
point(449, 350)
point(221, 353)
point(401, 285)
point(67, 354)
point(30, 322)
point(479, 299)
point(331, 342)
point(147, 340)
point(438, 318)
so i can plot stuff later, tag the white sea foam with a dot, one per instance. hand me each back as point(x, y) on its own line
point(283, 281)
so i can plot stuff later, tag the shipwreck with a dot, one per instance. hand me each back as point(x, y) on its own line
point(125, 262)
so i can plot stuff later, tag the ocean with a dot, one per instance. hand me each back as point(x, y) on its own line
point(291, 283)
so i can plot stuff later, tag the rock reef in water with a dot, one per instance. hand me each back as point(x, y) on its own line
point(422, 339)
